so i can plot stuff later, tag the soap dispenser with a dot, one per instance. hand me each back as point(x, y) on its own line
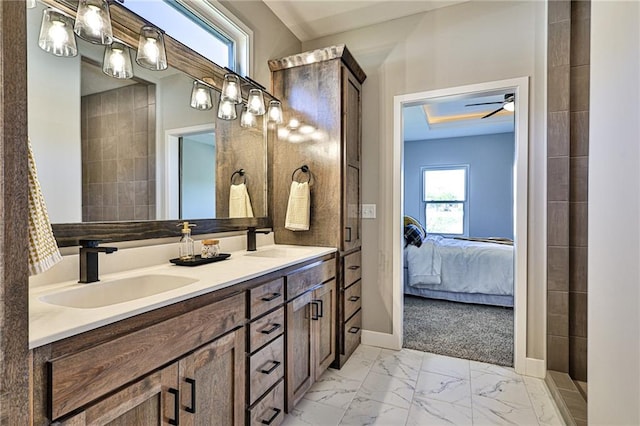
point(185, 246)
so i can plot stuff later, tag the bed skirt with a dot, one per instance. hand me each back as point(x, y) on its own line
point(480, 298)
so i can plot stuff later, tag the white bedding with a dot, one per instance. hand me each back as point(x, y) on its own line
point(461, 266)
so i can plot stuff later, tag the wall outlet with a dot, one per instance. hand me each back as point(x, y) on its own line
point(368, 211)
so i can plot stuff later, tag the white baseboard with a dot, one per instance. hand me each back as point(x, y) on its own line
point(381, 340)
point(535, 368)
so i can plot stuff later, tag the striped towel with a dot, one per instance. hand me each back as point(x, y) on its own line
point(43, 249)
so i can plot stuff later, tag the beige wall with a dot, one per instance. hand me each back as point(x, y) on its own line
point(614, 181)
point(271, 38)
point(464, 44)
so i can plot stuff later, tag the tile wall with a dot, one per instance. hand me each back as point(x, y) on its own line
point(118, 154)
point(567, 185)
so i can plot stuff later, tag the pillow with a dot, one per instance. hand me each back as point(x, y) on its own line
point(413, 235)
point(408, 220)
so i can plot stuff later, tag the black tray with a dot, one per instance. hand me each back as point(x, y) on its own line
point(199, 260)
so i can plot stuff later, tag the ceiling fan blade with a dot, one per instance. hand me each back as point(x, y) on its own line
point(491, 113)
point(485, 103)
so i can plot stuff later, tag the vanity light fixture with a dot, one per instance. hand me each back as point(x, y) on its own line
point(201, 96)
point(117, 61)
point(56, 34)
point(227, 110)
point(93, 22)
point(274, 114)
point(231, 89)
point(255, 102)
point(151, 52)
point(248, 118)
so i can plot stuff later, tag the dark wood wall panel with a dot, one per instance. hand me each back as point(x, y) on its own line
point(311, 95)
point(14, 214)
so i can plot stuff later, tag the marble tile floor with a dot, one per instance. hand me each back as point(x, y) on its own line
point(407, 387)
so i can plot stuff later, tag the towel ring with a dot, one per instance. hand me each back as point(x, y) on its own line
point(241, 173)
point(303, 169)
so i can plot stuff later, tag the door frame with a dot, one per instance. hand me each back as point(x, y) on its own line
point(519, 86)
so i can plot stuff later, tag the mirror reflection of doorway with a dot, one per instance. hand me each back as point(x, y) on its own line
point(197, 175)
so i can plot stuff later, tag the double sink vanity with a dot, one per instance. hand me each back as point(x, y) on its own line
point(233, 342)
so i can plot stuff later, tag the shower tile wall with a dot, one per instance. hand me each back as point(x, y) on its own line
point(118, 154)
point(567, 187)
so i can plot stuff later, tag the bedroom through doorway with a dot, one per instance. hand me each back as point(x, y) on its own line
point(459, 202)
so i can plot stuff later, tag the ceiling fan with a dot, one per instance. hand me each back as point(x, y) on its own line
point(508, 104)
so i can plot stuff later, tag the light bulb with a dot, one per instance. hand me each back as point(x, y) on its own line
point(151, 50)
point(248, 119)
point(58, 35)
point(93, 19)
point(227, 110)
point(274, 115)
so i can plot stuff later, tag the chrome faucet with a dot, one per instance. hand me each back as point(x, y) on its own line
point(89, 259)
point(251, 237)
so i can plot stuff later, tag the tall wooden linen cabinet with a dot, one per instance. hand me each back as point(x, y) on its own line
point(321, 97)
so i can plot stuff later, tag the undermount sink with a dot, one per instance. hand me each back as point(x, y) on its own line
point(274, 253)
point(108, 293)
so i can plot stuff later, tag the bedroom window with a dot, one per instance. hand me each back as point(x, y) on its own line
point(445, 198)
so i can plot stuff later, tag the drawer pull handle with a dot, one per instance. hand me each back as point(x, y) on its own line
point(315, 314)
point(354, 267)
point(176, 407)
point(275, 365)
point(273, 328)
point(320, 307)
point(348, 232)
point(276, 411)
point(272, 297)
point(192, 382)
point(354, 298)
point(354, 330)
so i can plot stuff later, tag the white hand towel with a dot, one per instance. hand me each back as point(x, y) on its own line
point(239, 201)
point(43, 249)
point(299, 207)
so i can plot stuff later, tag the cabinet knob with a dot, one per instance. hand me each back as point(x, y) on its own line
point(354, 330)
point(354, 298)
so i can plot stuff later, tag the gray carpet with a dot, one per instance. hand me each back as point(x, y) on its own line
point(462, 330)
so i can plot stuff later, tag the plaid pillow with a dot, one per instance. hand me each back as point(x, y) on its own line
point(412, 235)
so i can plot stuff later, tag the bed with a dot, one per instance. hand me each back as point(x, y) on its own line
point(460, 270)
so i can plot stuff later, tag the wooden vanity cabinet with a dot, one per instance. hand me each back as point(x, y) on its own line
point(311, 323)
point(322, 90)
point(228, 357)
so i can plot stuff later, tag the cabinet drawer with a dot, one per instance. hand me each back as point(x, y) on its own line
point(270, 409)
point(77, 379)
point(299, 282)
point(352, 268)
point(266, 367)
point(352, 299)
point(266, 297)
point(352, 332)
point(265, 329)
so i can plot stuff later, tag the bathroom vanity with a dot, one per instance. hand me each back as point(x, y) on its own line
point(240, 344)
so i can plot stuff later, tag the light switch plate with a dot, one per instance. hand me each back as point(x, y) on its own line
point(368, 211)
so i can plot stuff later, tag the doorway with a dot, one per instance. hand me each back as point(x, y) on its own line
point(519, 87)
point(458, 260)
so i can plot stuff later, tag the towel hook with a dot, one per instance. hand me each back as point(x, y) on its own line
point(241, 173)
point(304, 169)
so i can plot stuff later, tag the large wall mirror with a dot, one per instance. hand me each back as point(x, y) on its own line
point(128, 158)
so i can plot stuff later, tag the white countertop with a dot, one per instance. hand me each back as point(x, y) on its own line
point(48, 322)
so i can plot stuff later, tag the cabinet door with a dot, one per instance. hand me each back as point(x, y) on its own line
point(351, 104)
point(150, 401)
point(300, 354)
point(212, 383)
point(324, 326)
